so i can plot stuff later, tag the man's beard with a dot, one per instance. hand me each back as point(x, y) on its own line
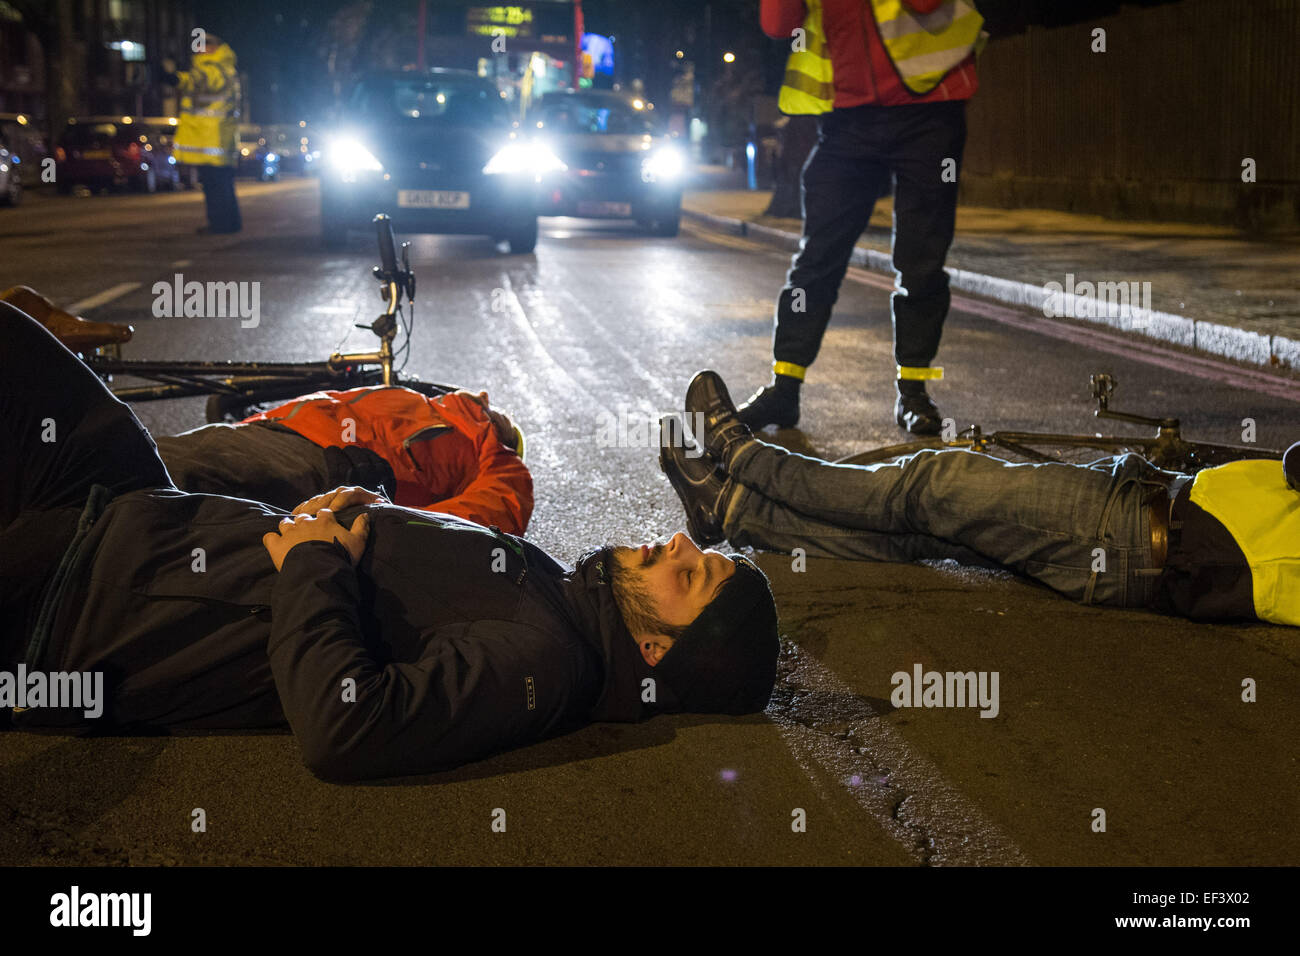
point(626, 580)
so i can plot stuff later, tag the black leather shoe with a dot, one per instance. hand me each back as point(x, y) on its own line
point(771, 406)
point(711, 412)
point(918, 414)
point(696, 479)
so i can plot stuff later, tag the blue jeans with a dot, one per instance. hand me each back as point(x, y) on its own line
point(1082, 530)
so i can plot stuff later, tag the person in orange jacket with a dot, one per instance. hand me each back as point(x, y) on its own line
point(453, 454)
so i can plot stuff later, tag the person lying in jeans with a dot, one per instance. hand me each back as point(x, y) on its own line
point(1223, 544)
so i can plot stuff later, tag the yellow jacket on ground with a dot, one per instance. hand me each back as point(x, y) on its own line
point(208, 134)
point(1252, 500)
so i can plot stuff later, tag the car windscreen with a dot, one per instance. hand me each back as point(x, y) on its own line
point(448, 101)
point(572, 114)
point(98, 135)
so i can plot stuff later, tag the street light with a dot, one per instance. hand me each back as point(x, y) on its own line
point(728, 57)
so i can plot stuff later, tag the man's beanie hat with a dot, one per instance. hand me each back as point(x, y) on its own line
point(725, 661)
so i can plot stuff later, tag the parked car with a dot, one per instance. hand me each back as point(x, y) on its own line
point(26, 144)
point(256, 157)
point(11, 182)
point(438, 152)
point(112, 152)
point(622, 164)
point(164, 127)
point(295, 146)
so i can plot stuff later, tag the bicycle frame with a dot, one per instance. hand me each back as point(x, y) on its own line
point(1166, 449)
point(255, 382)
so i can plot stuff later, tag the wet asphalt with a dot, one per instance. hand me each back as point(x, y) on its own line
point(1127, 712)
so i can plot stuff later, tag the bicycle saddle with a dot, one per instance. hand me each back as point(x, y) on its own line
point(76, 333)
point(1291, 466)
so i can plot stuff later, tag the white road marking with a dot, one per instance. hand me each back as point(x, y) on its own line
point(908, 796)
point(102, 298)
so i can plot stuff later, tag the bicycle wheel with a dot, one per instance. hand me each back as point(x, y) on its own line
point(226, 408)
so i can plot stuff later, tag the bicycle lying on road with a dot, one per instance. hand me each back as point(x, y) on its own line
point(1165, 449)
point(238, 389)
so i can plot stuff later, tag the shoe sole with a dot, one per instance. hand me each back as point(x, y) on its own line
point(681, 487)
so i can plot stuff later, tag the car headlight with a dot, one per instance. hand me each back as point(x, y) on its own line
point(349, 157)
point(516, 158)
point(664, 164)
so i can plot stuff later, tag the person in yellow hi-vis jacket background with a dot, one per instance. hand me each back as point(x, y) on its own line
point(208, 134)
point(888, 81)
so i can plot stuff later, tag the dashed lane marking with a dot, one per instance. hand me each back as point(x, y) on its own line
point(103, 298)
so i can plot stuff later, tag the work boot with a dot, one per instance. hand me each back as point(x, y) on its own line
point(915, 410)
point(78, 334)
point(702, 488)
point(775, 404)
point(709, 406)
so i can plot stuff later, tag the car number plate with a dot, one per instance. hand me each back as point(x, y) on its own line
point(432, 199)
point(592, 208)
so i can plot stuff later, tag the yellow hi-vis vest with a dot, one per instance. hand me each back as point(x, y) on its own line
point(208, 134)
point(925, 46)
point(1252, 500)
point(808, 87)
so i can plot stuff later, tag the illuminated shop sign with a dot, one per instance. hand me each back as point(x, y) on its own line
point(510, 21)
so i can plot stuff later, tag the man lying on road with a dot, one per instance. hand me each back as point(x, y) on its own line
point(392, 641)
point(453, 454)
point(1222, 544)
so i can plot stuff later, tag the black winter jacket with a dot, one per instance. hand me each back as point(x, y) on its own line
point(447, 642)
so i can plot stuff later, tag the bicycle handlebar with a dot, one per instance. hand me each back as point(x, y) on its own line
point(387, 252)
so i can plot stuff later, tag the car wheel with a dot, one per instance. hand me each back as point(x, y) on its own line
point(667, 227)
point(333, 228)
point(148, 183)
point(523, 240)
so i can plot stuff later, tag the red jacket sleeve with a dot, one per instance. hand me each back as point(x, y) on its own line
point(922, 6)
point(780, 18)
point(500, 492)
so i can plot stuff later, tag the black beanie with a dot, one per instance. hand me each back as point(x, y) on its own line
point(725, 661)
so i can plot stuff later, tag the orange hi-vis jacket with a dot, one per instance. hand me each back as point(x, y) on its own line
point(445, 451)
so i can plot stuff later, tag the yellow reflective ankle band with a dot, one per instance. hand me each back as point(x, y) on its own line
point(919, 374)
point(790, 369)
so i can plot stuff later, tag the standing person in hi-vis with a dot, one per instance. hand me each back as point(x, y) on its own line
point(888, 80)
point(208, 134)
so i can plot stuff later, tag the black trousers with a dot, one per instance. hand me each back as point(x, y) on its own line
point(61, 432)
point(858, 151)
point(219, 198)
point(268, 462)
